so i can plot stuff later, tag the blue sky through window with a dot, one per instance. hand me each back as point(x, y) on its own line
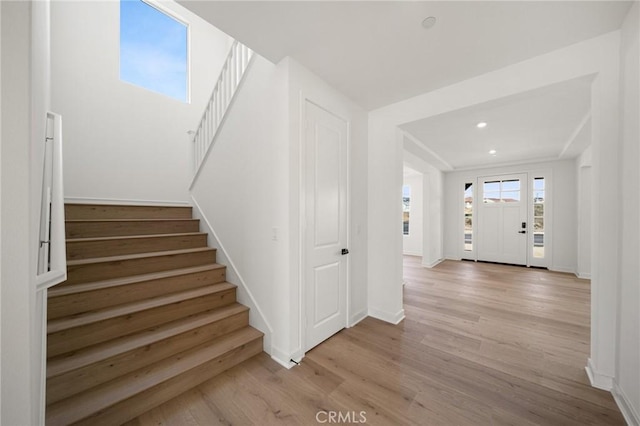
point(153, 49)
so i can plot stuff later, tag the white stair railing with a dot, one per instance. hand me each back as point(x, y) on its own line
point(215, 112)
point(52, 253)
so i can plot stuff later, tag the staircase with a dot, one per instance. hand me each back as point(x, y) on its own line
point(144, 315)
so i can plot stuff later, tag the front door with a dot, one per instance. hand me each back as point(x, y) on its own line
point(502, 219)
point(325, 230)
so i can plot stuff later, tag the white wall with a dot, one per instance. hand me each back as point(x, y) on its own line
point(248, 191)
point(242, 191)
point(626, 385)
point(16, 284)
point(412, 243)
point(562, 206)
point(122, 141)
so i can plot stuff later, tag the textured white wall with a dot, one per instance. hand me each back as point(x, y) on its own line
point(122, 141)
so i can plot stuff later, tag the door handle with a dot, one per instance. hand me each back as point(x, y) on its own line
point(522, 232)
point(345, 251)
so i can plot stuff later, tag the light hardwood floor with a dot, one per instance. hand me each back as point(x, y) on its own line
point(481, 344)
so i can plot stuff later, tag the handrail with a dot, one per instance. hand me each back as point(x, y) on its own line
point(52, 253)
point(223, 93)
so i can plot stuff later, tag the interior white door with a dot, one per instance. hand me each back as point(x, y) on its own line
point(502, 219)
point(325, 230)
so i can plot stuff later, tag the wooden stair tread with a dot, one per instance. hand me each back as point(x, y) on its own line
point(80, 406)
point(173, 219)
point(68, 362)
point(65, 323)
point(136, 256)
point(116, 282)
point(130, 237)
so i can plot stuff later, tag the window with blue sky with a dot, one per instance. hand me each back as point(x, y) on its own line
point(153, 50)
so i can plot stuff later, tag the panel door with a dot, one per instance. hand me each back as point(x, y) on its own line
point(502, 219)
point(325, 228)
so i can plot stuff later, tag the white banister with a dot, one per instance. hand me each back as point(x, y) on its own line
point(52, 253)
point(223, 93)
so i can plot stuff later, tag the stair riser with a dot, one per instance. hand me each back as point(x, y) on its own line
point(90, 249)
point(98, 299)
point(76, 381)
point(123, 268)
point(88, 211)
point(142, 402)
point(133, 227)
point(91, 334)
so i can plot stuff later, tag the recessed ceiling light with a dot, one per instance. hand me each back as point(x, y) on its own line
point(429, 22)
point(481, 125)
point(493, 152)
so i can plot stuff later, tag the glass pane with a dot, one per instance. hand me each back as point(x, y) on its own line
point(538, 224)
point(406, 206)
point(538, 197)
point(491, 186)
point(491, 197)
point(538, 244)
point(511, 185)
point(538, 252)
point(538, 210)
point(511, 196)
point(153, 50)
point(538, 184)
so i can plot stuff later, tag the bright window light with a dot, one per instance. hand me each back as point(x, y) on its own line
point(153, 49)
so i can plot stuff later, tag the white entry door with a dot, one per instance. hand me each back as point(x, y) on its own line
point(502, 219)
point(325, 227)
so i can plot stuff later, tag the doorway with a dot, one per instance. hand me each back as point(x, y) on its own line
point(502, 219)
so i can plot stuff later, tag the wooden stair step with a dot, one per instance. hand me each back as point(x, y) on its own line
point(85, 248)
point(88, 228)
point(79, 331)
point(103, 268)
point(73, 373)
point(65, 300)
point(120, 211)
point(124, 398)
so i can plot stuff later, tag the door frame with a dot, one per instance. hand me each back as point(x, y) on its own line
point(302, 231)
point(476, 178)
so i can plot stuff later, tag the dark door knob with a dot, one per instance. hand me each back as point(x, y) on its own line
point(345, 251)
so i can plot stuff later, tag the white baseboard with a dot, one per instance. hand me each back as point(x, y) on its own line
point(357, 317)
point(583, 276)
point(565, 269)
point(412, 253)
point(124, 201)
point(433, 264)
point(387, 316)
point(282, 358)
point(598, 380)
point(628, 411)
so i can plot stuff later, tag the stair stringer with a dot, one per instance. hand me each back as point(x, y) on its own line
point(257, 319)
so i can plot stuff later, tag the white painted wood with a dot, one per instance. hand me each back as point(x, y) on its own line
point(325, 268)
point(500, 237)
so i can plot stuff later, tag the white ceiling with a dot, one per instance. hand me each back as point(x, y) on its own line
point(543, 124)
point(377, 53)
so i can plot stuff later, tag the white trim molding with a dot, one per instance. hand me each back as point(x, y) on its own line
point(282, 358)
point(433, 264)
point(387, 316)
point(356, 318)
point(631, 416)
point(598, 380)
point(125, 202)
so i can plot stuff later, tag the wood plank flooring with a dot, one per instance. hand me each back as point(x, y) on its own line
point(481, 344)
